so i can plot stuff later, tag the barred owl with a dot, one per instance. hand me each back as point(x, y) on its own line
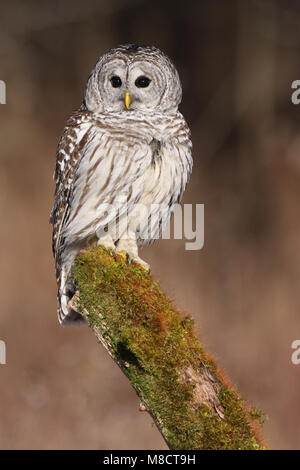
point(127, 147)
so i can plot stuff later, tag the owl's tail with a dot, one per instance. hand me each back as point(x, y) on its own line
point(67, 315)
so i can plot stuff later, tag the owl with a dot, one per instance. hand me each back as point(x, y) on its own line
point(123, 162)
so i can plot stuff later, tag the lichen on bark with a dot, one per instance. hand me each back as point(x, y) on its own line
point(178, 383)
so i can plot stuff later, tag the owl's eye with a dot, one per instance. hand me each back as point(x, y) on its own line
point(116, 81)
point(142, 82)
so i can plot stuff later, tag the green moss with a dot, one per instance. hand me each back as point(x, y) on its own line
point(153, 342)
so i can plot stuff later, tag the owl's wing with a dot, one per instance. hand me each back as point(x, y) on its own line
point(97, 165)
point(67, 159)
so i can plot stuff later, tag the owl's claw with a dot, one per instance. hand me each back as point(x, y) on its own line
point(108, 243)
point(129, 249)
point(134, 259)
point(113, 254)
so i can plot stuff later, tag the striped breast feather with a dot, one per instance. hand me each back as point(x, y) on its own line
point(112, 159)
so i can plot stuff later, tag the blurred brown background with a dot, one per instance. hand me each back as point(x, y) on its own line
point(237, 60)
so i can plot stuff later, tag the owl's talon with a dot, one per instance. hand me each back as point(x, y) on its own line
point(134, 260)
point(113, 254)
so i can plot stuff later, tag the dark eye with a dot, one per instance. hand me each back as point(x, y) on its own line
point(142, 82)
point(116, 81)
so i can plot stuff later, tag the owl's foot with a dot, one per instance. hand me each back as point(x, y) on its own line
point(108, 243)
point(128, 249)
point(134, 259)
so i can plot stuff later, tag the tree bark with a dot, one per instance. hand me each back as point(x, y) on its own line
point(156, 347)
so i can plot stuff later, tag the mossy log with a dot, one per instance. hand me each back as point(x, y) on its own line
point(156, 347)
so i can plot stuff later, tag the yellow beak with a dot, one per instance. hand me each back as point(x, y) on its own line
point(127, 99)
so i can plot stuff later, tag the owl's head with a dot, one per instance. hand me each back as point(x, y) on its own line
point(133, 78)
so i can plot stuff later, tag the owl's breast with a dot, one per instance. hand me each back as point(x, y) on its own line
point(163, 183)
